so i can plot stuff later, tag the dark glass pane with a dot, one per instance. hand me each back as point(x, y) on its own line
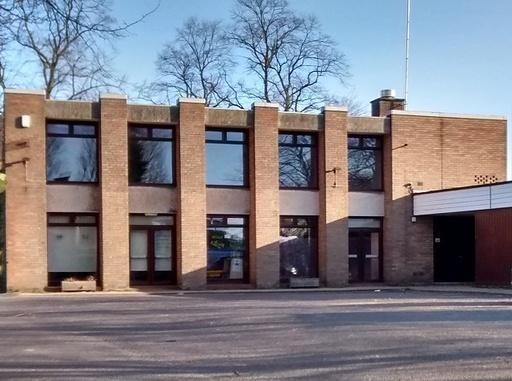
point(215, 221)
point(162, 133)
point(296, 167)
point(82, 129)
point(54, 128)
point(71, 159)
point(85, 220)
point(236, 136)
point(151, 220)
point(285, 139)
point(138, 132)
point(304, 139)
point(235, 221)
point(225, 164)
point(353, 257)
point(226, 253)
point(213, 135)
point(353, 142)
point(287, 222)
point(364, 169)
point(370, 142)
point(298, 253)
point(59, 219)
point(151, 162)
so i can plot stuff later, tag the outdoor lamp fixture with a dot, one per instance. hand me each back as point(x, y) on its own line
point(335, 171)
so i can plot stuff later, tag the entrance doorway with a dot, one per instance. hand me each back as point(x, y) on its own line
point(365, 263)
point(152, 259)
point(454, 249)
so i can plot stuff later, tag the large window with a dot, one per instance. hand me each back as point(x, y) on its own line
point(298, 248)
point(297, 161)
point(151, 155)
point(227, 248)
point(72, 247)
point(226, 158)
point(71, 152)
point(364, 163)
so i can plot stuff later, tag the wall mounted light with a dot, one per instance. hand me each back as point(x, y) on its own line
point(25, 121)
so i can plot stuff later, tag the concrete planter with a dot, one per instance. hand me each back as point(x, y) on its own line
point(304, 282)
point(78, 285)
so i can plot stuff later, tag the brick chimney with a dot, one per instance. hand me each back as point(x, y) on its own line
point(387, 102)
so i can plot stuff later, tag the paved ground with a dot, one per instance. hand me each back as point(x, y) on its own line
point(388, 335)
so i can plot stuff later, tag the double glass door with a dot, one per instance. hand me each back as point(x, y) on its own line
point(364, 255)
point(151, 255)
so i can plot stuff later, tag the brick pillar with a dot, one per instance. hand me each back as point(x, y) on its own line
point(191, 227)
point(333, 221)
point(114, 237)
point(26, 191)
point(265, 197)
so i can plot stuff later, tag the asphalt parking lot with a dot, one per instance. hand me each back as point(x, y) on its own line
point(350, 335)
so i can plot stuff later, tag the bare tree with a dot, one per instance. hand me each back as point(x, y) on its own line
point(67, 39)
point(289, 54)
point(196, 64)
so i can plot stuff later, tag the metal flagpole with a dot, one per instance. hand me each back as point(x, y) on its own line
point(406, 90)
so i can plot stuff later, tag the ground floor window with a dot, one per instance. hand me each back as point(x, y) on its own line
point(72, 247)
point(227, 248)
point(152, 254)
point(298, 248)
point(365, 262)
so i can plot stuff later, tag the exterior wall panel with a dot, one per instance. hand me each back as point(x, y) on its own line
point(493, 229)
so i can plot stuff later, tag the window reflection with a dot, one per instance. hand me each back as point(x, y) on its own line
point(227, 248)
point(226, 154)
point(151, 155)
point(298, 248)
point(297, 161)
point(364, 163)
point(71, 153)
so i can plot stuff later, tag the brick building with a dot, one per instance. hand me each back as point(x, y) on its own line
point(195, 197)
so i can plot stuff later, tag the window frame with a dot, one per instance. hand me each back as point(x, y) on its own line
point(313, 224)
point(224, 140)
point(72, 223)
point(174, 250)
point(245, 226)
point(72, 124)
point(314, 157)
point(380, 148)
point(172, 140)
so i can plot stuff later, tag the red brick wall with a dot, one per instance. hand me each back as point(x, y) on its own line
point(191, 227)
point(333, 222)
point(26, 193)
point(441, 152)
point(114, 237)
point(265, 197)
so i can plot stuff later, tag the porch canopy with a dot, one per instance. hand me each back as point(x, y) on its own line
point(466, 199)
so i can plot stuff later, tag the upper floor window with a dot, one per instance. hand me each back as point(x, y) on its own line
point(71, 152)
point(297, 161)
point(364, 163)
point(226, 158)
point(151, 154)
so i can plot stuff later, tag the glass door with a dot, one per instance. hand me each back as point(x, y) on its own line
point(151, 255)
point(364, 255)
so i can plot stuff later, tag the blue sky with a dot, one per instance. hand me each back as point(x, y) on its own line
point(460, 57)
